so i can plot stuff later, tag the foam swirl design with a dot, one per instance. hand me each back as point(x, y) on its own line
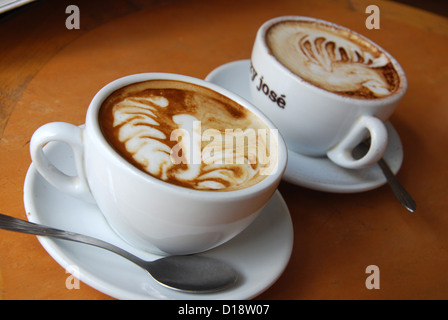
point(177, 140)
point(335, 60)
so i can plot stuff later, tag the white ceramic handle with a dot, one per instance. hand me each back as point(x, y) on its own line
point(76, 186)
point(341, 154)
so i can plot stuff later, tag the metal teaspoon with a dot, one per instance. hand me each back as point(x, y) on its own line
point(190, 273)
point(399, 191)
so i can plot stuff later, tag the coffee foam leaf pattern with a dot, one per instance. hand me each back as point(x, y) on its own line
point(336, 61)
point(166, 146)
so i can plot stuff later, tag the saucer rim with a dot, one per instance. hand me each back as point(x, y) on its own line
point(316, 184)
point(65, 259)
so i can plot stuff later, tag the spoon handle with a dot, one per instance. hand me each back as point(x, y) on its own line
point(399, 191)
point(18, 225)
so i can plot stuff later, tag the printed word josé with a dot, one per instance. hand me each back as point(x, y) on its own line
point(262, 86)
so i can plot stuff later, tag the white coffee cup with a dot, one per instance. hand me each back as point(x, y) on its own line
point(315, 121)
point(149, 213)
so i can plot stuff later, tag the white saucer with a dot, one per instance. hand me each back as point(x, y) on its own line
point(314, 173)
point(260, 253)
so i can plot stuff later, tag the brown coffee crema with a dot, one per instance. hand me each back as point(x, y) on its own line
point(333, 59)
point(146, 123)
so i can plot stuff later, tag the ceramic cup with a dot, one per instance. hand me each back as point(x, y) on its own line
point(315, 119)
point(149, 213)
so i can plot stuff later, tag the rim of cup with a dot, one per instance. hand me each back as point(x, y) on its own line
point(261, 37)
point(92, 127)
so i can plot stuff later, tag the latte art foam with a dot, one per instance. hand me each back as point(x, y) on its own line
point(334, 59)
point(155, 125)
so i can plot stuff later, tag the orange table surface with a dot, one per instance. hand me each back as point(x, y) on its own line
point(50, 73)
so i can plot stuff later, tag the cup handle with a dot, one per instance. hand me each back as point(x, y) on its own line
point(341, 154)
point(72, 135)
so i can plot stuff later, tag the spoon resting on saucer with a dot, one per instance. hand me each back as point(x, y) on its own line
point(397, 188)
point(189, 273)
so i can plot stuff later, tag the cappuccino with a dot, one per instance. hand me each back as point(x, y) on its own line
point(333, 58)
point(185, 134)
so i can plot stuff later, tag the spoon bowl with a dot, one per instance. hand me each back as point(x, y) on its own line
point(190, 273)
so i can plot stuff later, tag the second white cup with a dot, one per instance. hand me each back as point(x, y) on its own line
point(325, 87)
